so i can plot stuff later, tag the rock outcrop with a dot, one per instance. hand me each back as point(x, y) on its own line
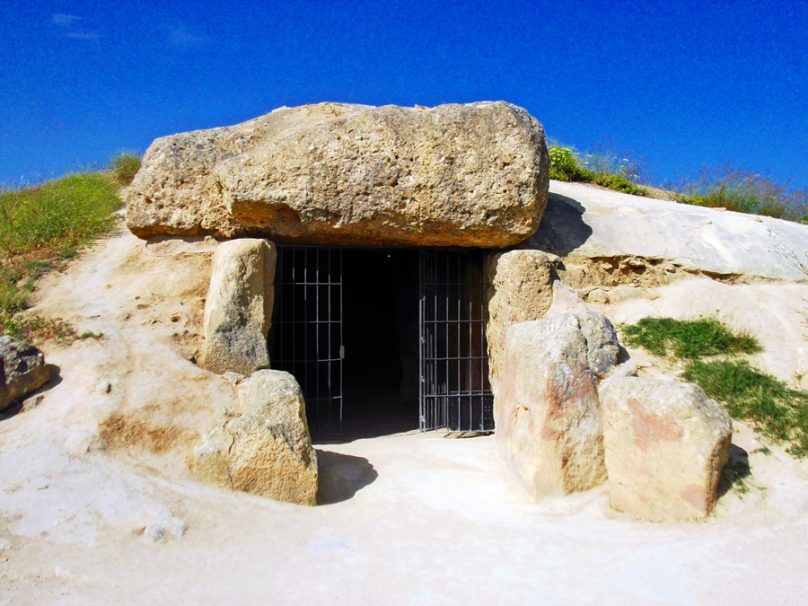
point(453, 175)
point(238, 308)
point(262, 444)
point(520, 284)
point(546, 409)
point(583, 222)
point(666, 445)
point(22, 370)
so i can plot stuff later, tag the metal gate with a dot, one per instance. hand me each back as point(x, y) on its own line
point(306, 333)
point(307, 336)
point(454, 390)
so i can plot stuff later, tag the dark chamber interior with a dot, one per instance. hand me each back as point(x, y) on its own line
point(380, 335)
point(365, 300)
point(369, 332)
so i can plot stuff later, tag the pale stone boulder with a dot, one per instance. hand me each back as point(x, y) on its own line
point(261, 445)
point(520, 284)
point(22, 370)
point(666, 445)
point(547, 413)
point(238, 308)
point(603, 347)
point(333, 173)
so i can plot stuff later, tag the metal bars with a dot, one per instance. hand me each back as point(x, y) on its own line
point(306, 333)
point(454, 389)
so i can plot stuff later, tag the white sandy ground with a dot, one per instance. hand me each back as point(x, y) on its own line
point(412, 519)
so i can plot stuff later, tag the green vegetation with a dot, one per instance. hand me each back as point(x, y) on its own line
point(568, 165)
point(124, 166)
point(747, 193)
point(40, 226)
point(688, 339)
point(778, 411)
point(732, 189)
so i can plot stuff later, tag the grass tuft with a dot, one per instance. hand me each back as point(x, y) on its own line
point(688, 339)
point(567, 165)
point(746, 192)
point(778, 411)
point(125, 166)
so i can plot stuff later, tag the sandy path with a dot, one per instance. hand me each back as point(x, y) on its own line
point(412, 519)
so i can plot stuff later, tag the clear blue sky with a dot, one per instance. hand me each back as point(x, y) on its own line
point(686, 85)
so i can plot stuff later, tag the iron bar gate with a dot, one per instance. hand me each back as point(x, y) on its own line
point(306, 332)
point(307, 335)
point(454, 391)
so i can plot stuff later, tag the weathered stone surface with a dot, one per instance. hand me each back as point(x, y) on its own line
point(262, 445)
point(588, 222)
point(22, 370)
point(238, 308)
point(520, 284)
point(453, 175)
point(546, 410)
point(603, 348)
point(666, 444)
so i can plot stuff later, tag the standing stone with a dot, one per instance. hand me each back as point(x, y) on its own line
point(238, 308)
point(546, 410)
point(520, 286)
point(334, 173)
point(22, 370)
point(603, 348)
point(666, 445)
point(262, 445)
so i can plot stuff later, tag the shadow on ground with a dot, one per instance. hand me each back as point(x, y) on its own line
point(735, 471)
point(341, 476)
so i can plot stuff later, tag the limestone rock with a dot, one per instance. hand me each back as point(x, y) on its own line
point(520, 286)
point(238, 308)
point(22, 370)
point(603, 348)
point(261, 446)
point(546, 410)
point(666, 444)
point(587, 222)
point(452, 175)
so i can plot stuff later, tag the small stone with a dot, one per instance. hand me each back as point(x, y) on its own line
point(22, 370)
point(32, 402)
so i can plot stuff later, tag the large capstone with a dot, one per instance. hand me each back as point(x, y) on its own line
point(22, 370)
point(452, 175)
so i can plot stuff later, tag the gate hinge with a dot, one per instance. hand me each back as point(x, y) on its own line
point(341, 352)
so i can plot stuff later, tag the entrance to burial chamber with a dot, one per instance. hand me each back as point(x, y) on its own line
point(383, 340)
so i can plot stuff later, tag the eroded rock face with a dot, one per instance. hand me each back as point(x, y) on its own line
point(22, 370)
point(453, 175)
point(546, 410)
point(261, 445)
point(520, 284)
point(603, 348)
point(238, 308)
point(666, 445)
